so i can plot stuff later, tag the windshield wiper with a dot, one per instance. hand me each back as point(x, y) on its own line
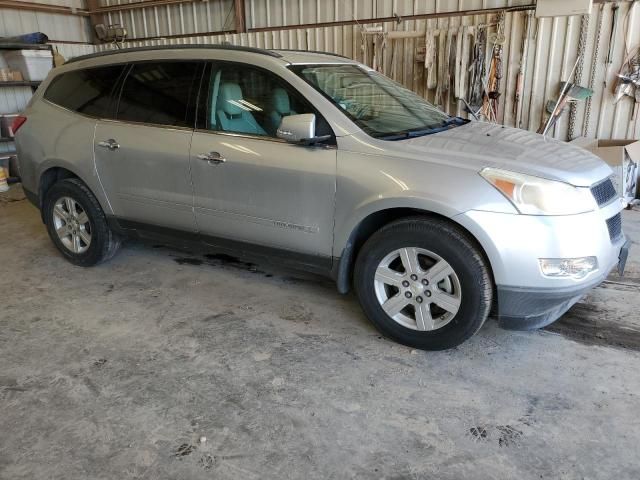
point(419, 132)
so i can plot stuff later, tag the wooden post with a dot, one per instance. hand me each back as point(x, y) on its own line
point(94, 19)
point(241, 23)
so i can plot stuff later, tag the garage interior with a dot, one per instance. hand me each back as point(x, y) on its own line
point(169, 363)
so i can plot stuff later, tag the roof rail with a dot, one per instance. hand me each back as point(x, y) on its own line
point(308, 51)
point(151, 48)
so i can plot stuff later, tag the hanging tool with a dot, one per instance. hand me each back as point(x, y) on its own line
point(612, 37)
point(477, 69)
point(492, 88)
point(575, 93)
point(523, 69)
point(463, 60)
point(456, 63)
point(544, 127)
point(628, 83)
point(442, 45)
point(430, 61)
point(569, 93)
point(474, 113)
point(447, 70)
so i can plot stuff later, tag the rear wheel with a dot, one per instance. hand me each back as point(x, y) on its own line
point(424, 283)
point(77, 225)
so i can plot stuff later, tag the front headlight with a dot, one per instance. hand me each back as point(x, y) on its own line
point(539, 196)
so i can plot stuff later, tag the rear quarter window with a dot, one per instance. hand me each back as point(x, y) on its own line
point(87, 91)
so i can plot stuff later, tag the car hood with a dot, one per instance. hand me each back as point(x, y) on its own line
point(481, 144)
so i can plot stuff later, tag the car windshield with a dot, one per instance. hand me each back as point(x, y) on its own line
point(378, 105)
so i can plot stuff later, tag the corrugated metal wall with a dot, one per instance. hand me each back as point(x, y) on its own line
point(552, 47)
point(180, 19)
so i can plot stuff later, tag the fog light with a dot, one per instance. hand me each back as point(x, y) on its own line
point(568, 267)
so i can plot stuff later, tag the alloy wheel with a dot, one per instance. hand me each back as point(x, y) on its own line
point(72, 225)
point(417, 288)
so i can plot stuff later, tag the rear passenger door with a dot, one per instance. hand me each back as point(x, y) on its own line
point(142, 155)
point(249, 185)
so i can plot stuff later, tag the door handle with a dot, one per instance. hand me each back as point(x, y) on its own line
point(111, 144)
point(213, 158)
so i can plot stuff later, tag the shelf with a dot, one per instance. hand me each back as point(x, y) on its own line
point(6, 139)
point(24, 46)
point(9, 154)
point(22, 83)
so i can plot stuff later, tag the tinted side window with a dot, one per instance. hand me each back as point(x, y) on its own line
point(160, 93)
point(245, 99)
point(85, 91)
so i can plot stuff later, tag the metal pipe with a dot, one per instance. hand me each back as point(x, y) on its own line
point(482, 11)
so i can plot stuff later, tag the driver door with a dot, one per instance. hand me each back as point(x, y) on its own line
point(249, 185)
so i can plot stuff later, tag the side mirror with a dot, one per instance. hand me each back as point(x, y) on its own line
point(300, 129)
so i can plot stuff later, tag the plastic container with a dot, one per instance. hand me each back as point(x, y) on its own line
point(34, 64)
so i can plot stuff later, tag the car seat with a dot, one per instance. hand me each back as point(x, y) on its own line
point(233, 115)
point(280, 107)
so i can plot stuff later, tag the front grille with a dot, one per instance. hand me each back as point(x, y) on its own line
point(614, 225)
point(604, 192)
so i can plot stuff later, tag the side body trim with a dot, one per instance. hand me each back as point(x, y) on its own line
point(312, 263)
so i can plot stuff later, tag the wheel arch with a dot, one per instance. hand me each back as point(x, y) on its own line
point(48, 178)
point(53, 171)
point(343, 269)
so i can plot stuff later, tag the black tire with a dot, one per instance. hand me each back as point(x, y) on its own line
point(451, 244)
point(104, 243)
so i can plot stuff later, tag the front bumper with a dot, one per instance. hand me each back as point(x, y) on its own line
point(528, 309)
point(527, 299)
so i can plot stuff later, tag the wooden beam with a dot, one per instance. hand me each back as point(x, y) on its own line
point(137, 5)
point(42, 7)
point(94, 19)
point(181, 35)
point(241, 22)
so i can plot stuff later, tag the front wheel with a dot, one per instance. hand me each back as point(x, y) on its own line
point(77, 225)
point(424, 283)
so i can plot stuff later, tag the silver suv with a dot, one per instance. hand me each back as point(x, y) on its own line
point(317, 161)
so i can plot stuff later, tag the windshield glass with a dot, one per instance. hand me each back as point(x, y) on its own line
point(378, 105)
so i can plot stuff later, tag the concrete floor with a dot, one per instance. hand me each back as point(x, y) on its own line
point(117, 371)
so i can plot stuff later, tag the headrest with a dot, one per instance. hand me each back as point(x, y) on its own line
point(230, 93)
point(280, 100)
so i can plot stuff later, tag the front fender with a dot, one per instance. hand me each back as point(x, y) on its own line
point(378, 203)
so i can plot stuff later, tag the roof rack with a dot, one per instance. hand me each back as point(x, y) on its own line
point(205, 46)
point(308, 51)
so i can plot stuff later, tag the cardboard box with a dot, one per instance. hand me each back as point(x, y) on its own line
point(623, 156)
point(33, 64)
point(8, 75)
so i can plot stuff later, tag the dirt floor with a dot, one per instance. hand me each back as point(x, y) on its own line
point(120, 371)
